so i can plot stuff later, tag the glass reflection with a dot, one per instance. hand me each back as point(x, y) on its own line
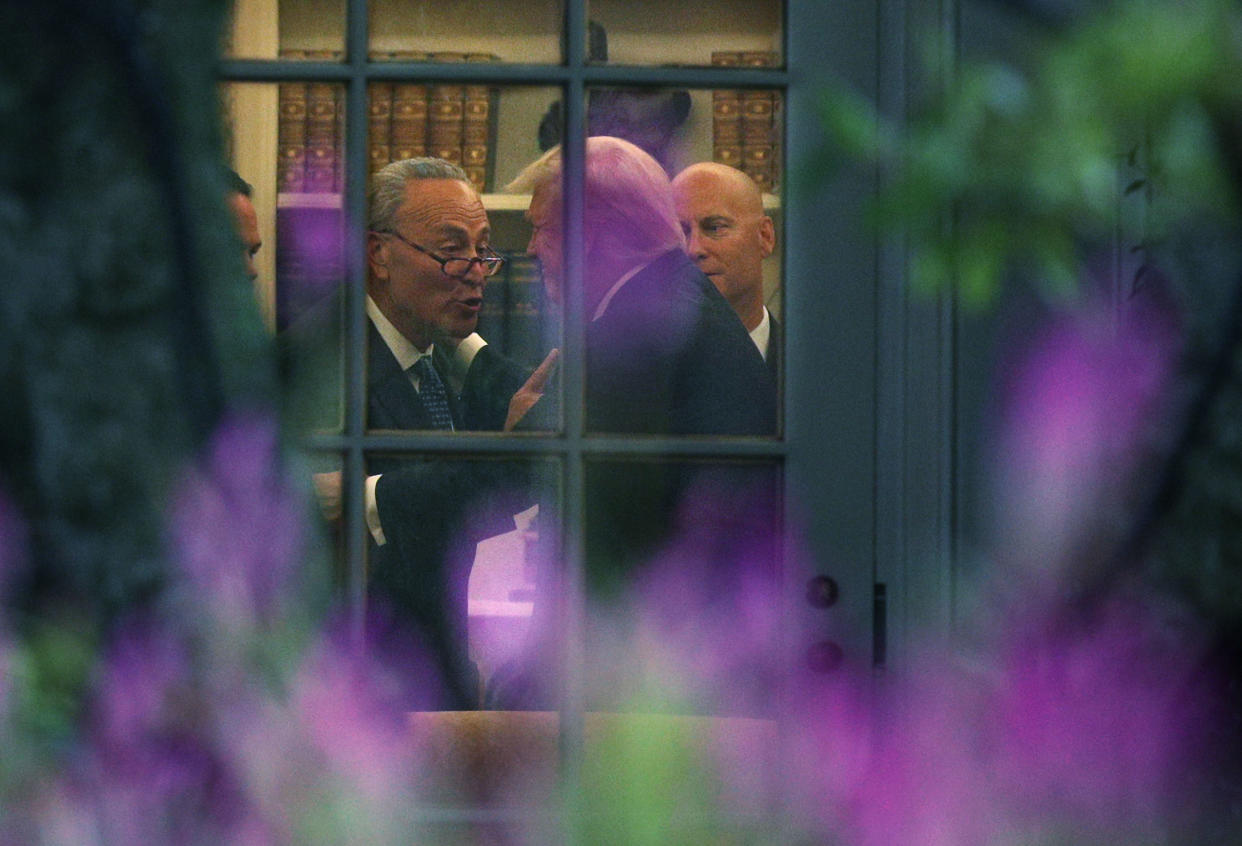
point(427, 365)
point(288, 29)
point(682, 575)
point(453, 568)
point(665, 352)
point(450, 30)
point(651, 32)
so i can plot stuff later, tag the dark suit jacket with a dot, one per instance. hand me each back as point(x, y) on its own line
point(668, 357)
point(433, 510)
point(776, 344)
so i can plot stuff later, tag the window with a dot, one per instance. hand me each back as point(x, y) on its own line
point(631, 65)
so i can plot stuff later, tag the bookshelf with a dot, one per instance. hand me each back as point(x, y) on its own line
point(639, 32)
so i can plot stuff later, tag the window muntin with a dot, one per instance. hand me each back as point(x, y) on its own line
point(574, 450)
point(466, 30)
point(713, 32)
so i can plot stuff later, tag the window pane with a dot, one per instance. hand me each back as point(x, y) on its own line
point(466, 30)
point(711, 32)
point(700, 347)
point(286, 142)
point(326, 481)
point(426, 292)
point(458, 564)
point(682, 584)
point(682, 651)
point(290, 29)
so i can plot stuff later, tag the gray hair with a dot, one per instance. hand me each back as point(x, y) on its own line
point(388, 187)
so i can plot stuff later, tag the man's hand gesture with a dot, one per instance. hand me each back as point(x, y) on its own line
point(530, 393)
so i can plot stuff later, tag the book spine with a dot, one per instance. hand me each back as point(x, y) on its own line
point(338, 132)
point(758, 147)
point(476, 107)
point(320, 132)
point(291, 132)
point(758, 107)
point(524, 331)
point(444, 126)
point(379, 124)
point(727, 115)
point(408, 133)
point(476, 144)
point(445, 110)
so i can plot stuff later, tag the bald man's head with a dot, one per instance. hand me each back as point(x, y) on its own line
point(727, 233)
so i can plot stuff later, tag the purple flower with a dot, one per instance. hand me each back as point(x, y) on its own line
point(151, 770)
point(143, 679)
point(236, 524)
point(1101, 723)
point(1091, 732)
point(1077, 406)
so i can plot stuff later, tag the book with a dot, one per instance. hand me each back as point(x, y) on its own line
point(528, 337)
point(379, 124)
point(758, 137)
point(727, 114)
point(321, 132)
point(758, 123)
point(408, 135)
point(478, 128)
point(445, 113)
point(291, 131)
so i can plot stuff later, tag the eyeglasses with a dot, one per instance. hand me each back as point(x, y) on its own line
point(458, 268)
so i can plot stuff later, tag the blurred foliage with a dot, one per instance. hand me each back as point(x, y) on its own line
point(1029, 161)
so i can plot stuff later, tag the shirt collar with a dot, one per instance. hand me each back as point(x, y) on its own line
point(403, 350)
point(762, 333)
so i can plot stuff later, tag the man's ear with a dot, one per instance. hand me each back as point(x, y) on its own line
point(377, 255)
point(767, 235)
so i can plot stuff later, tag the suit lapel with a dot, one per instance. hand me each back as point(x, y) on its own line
point(393, 402)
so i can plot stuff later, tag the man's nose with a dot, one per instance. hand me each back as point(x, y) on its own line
point(475, 276)
point(694, 246)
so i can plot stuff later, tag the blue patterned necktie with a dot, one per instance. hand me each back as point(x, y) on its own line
point(431, 392)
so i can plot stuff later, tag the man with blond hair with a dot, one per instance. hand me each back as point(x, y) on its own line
point(665, 353)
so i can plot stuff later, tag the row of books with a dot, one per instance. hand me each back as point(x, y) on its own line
point(744, 121)
point(406, 119)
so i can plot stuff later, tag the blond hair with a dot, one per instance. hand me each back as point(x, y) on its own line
point(627, 198)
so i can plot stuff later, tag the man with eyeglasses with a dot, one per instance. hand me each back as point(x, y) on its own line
point(429, 260)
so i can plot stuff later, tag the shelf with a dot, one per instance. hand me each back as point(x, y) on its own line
point(491, 202)
point(308, 201)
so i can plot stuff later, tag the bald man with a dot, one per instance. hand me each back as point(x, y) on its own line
point(729, 236)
